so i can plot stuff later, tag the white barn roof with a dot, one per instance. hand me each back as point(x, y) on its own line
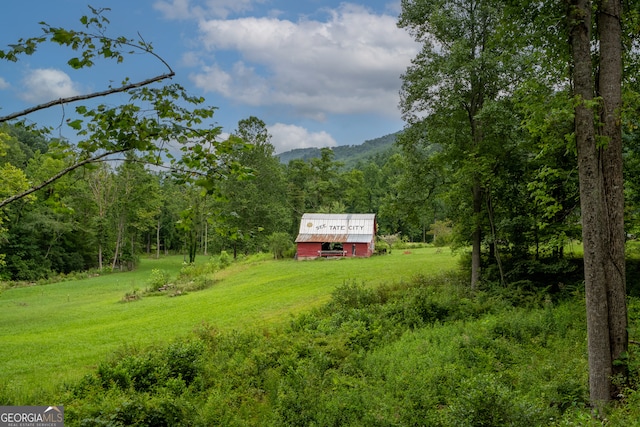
point(349, 228)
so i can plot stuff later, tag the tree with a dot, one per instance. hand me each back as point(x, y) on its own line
point(102, 187)
point(459, 77)
point(167, 235)
point(12, 180)
point(324, 188)
point(47, 231)
point(279, 243)
point(191, 221)
point(151, 119)
point(254, 208)
point(463, 67)
point(298, 173)
point(601, 187)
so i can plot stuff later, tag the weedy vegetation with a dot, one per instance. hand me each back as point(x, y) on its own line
point(421, 350)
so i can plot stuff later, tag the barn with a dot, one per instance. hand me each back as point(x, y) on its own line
point(336, 235)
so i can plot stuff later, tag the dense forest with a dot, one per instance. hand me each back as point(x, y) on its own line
point(108, 214)
point(521, 137)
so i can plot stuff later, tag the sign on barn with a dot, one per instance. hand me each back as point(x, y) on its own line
point(336, 235)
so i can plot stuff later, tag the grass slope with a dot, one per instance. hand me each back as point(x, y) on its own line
point(58, 332)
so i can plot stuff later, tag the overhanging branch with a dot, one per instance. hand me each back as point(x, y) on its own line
point(85, 97)
point(57, 176)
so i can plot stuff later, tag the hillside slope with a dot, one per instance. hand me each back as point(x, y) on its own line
point(76, 323)
point(347, 154)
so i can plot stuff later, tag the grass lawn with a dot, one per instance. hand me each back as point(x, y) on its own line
point(54, 333)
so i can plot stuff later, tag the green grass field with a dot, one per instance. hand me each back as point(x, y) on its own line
point(58, 332)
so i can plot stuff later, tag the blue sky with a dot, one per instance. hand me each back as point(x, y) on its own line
point(317, 72)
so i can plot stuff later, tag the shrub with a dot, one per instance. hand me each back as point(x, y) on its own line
point(131, 296)
point(353, 295)
point(486, 401)
point(195, 277)
point(224, 259)
point(184, 359)
point(425, 352)
point(279, 244)
point(146, 371)
point(157, 280)
point(122, 410)
point(382, 247)
point(402, 243)
point(442, 233)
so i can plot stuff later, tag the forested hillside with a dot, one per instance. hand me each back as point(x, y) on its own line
point(350, 155)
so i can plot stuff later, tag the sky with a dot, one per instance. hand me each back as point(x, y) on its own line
point(319, 73)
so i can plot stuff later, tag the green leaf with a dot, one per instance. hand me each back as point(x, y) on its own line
point(62, 36)
point(76, 124)
point(75, 63)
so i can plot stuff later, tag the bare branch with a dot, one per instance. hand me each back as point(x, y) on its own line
point(57, 176)
point(71, 99)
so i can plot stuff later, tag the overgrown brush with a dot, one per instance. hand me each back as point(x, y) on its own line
point(191, 277)
point(429, 351)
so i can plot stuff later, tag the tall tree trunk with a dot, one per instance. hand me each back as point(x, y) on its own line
point(193, 245)
point(494, 239)
point(591, 204)
point(158, 240)
point(476, 190)
point(610, 89)
point(206, 237)
point(119, 238)
point(476, 237)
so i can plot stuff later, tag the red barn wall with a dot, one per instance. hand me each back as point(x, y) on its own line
point(361, 249)
point(308, 250)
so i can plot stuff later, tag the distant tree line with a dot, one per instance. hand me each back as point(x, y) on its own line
point(107, 214)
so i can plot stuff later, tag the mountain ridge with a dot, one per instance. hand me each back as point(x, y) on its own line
point(348, 154)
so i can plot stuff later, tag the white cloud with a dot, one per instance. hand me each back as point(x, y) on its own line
point(174, 9)
point(3, 84)
point(287, 137)
point(215, 79)
point(47, 84)
point(349, 64)
point(185, 9)
point(191, 59)
point(394, 7)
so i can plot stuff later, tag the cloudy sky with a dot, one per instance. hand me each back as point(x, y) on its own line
point(317, 72)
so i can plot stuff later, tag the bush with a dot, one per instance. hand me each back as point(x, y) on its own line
point(279, 244)
point(196, 277)
point(224, 260)
point(486, 401)
point(442, 233)
point(157, 280)
point(123, 410)
point(402, 243)
point(425, 352)
point(382, 247)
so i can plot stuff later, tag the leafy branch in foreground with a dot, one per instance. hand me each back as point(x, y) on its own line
point(151, 123)
point(90, 45)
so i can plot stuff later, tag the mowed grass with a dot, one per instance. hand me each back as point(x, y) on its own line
point(55, 333)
